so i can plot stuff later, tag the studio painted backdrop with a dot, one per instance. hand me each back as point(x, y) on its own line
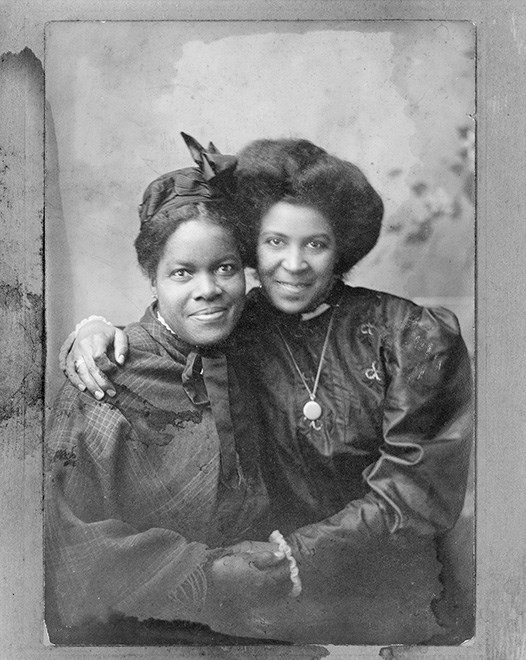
point(394, 97)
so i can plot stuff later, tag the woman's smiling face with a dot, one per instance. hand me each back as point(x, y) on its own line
point(200, 283)
point(296, 257)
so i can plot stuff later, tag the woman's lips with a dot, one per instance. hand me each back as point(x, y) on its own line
point(210, 314)
point(293, 287)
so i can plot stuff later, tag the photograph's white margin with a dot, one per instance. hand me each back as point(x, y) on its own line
point(500, 318)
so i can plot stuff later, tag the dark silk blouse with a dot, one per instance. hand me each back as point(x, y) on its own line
point(363, 493)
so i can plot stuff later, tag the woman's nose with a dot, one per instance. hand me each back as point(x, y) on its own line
point(294, 259)
point(206, 287)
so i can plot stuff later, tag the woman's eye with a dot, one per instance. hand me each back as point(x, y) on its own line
point(275, 242)
point(180, 273)
point(317, 245)
point(227, 269)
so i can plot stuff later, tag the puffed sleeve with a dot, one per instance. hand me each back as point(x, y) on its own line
point(417, 485)
point(96, 563)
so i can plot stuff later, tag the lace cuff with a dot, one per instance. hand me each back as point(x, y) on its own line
point(84, 322)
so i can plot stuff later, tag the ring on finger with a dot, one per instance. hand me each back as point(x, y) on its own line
point(79, 362)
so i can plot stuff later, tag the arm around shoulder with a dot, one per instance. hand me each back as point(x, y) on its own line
point(82, 352)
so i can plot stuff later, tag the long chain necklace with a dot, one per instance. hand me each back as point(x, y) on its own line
point(312, 410)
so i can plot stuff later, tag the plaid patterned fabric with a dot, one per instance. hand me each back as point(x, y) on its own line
point(134, 503)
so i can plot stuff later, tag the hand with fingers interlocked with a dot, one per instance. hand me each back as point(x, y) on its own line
point(252, 574)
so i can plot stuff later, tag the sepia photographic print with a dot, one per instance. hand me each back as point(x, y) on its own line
point(369, 484)
point(258, 389)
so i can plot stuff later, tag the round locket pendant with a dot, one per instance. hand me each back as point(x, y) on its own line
point(312, 410)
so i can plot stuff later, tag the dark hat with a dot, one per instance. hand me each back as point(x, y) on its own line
point(211, 180)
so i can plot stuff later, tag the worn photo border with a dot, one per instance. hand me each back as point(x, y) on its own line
point(500, 318)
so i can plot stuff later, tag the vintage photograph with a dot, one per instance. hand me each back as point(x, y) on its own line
point(260, 274)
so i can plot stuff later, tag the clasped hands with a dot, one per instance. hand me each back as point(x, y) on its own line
point(244, 586)
point(252, 574)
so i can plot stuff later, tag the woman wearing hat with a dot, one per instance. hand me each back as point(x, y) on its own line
point(363, 398)
point(149, 491)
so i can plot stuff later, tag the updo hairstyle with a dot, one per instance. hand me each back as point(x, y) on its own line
point(298, 172)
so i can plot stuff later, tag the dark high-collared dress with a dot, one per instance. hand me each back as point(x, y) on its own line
point(143, 489)
point(364, 493)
